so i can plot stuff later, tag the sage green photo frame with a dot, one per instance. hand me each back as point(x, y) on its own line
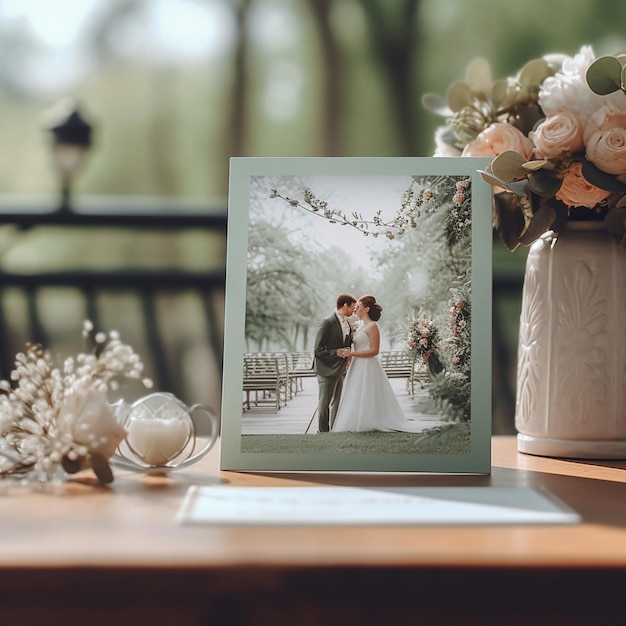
point(288, 218)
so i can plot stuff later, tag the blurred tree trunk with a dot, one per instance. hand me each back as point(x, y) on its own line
point(162, 134)
point(331, 62)
point(394, 39)
point(240, 82)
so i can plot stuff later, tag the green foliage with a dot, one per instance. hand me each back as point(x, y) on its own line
point(277, 283)
point(448, 439)
point(601, 179)
point(606, 75)
point(478, 102)
point(450, 382)
point(452, 391)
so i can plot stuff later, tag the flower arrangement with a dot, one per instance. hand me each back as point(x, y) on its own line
point(55, 419)
point(557, 132)
point(458, 317)
point(423, 337)
point(448, 358)
point(459, 326)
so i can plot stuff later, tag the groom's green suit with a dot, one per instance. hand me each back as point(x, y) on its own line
point(330, 368)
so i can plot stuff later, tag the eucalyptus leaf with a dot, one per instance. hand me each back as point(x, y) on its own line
point(544, 183)
point(505, 94)
point(436, 104)
point(534, 72)
point(101, 468)
point(519, 187)
point(478, 76)
point(601, 179)
point(498, 93)
point(521, 95)
point(490, 179)
point(508, 218)
point(508, 166)
point(540, 222)
point(459, 96)
point(604, 75)
point(562, 214)
point(538, 165)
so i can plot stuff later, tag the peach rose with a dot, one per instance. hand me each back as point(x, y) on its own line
point(557, 135)
point(605, 138)
point(576, 191)
point(498, 138)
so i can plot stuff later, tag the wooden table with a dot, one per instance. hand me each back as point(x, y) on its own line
point(79, 553)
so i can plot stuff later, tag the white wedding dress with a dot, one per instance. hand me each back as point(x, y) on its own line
point(368, 402)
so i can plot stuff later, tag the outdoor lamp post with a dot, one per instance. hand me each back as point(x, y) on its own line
point(70, 142)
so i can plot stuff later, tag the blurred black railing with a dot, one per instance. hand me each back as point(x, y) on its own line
point(144, 283)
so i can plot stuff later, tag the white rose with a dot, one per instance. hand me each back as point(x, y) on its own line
point(568, 90)
point(87, 415)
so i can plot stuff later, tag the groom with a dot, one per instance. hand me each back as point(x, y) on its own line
point(333, 333)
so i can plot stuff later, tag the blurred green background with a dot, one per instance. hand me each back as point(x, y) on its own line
point(174, 88)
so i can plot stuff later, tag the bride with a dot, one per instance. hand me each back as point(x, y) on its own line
point(368, 402)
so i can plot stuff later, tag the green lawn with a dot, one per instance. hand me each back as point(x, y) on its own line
point(449, 439)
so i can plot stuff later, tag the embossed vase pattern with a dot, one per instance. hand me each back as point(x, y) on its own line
point(571, 374)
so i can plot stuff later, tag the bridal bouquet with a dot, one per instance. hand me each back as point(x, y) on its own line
point(55, 419)
point(557, 132)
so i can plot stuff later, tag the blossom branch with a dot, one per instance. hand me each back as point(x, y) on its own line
point(424, 195)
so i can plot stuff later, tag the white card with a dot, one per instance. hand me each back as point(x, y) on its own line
point(327, 506)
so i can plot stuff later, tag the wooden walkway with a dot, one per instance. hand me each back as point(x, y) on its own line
point(300, 416)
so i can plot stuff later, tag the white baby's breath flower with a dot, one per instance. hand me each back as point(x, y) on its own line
point(49, 414)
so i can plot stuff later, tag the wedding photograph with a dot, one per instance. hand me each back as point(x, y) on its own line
point(358, 314)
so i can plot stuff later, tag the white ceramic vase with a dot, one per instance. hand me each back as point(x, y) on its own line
point(571, 376)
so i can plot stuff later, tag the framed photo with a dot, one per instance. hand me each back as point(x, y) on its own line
point(358, 316)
